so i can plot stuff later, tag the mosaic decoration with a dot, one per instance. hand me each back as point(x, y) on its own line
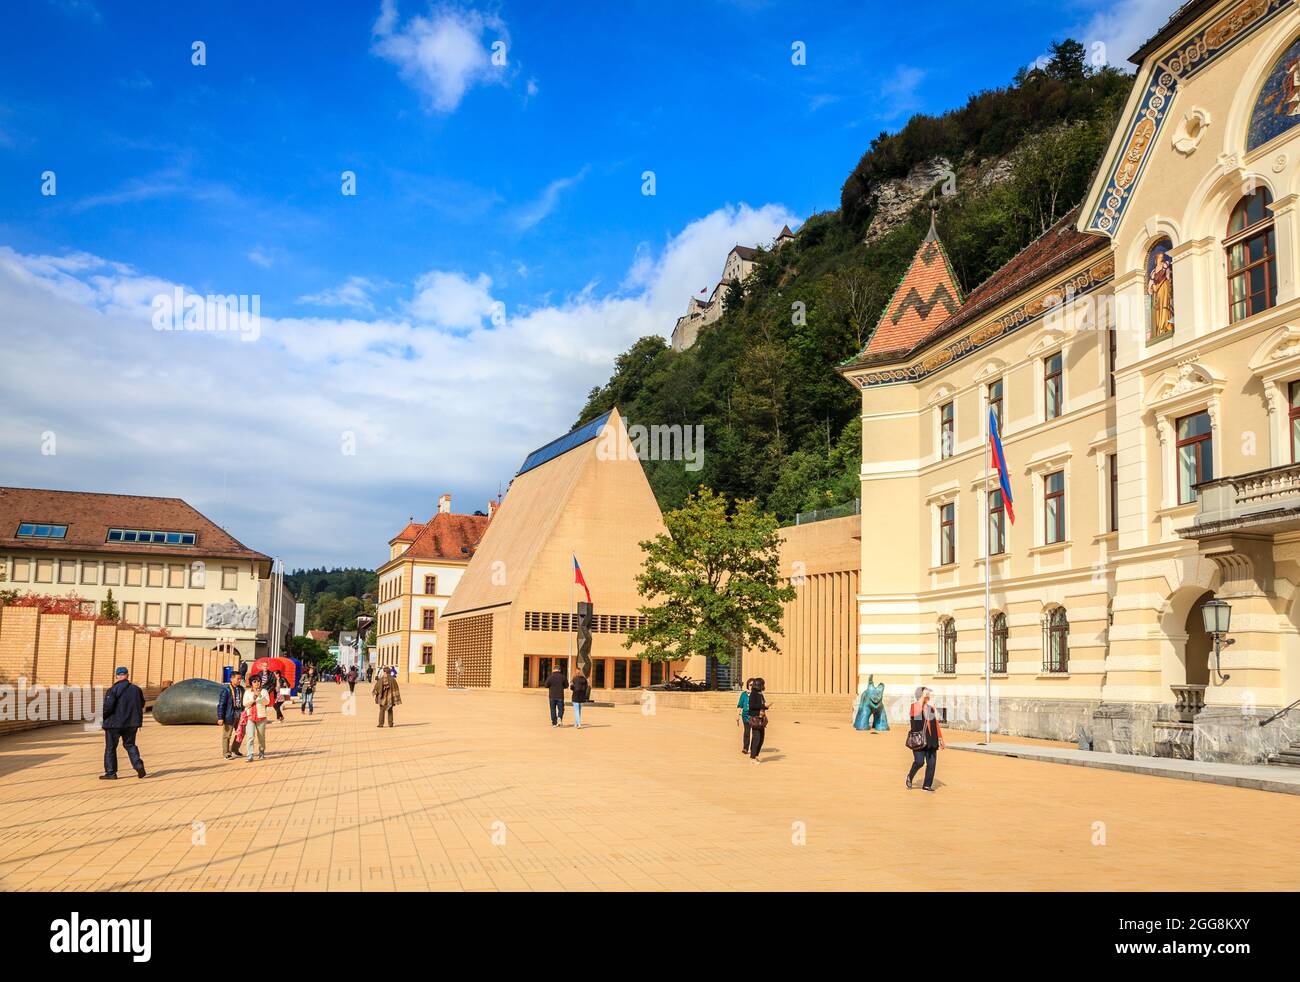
point(1178, 64)
point(1160, 292)
point(1031, 310)
point(1278, 107)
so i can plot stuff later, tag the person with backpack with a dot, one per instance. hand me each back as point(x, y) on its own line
point(758, 707)
point(581, 693)
point(352, 678)
point(924, 739)
point(307, 689)
point(743, 718)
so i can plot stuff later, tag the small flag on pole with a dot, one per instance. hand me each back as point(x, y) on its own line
point(1000, 463)
point(577, 578)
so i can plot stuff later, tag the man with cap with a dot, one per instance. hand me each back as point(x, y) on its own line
point(121, 717)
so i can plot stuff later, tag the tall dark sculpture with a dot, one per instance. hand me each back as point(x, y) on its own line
point(585, 618)
point(191, 701)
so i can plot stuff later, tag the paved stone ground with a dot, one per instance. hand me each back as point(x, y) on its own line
point(630, 802)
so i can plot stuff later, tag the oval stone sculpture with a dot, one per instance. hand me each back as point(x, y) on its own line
point(190, 701)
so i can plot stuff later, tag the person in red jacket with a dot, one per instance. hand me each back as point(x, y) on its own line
point(924, 720)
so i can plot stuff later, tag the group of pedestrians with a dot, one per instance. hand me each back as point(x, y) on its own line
point(557, 684)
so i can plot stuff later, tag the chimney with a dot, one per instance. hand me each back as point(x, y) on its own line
point(444, 505)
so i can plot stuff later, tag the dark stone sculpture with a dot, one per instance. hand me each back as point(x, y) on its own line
point(190, 701)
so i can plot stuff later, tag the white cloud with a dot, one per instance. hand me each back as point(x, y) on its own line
point(441, 55)
point(898, 94)
point(253, 434)
point(261, 257)
point(353, 293)
point(545, 203)
point(1123, 26)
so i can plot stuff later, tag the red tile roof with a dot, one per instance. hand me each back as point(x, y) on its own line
point(1060, 246)
point(927, 295)
point(89, 515)
point(408, 534)
point(448, 536)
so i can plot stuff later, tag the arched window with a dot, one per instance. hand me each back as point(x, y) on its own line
point(947, 646)
point(1252, 256)
point(1000, 633)
point(1056, 641)
point(1160, 291)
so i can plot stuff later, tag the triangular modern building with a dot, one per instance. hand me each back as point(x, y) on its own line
point(511, 618)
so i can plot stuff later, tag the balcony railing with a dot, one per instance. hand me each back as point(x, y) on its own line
point(1188, 701)
point(1259, 495)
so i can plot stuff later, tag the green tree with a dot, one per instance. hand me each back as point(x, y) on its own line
point(734, 298)
point(717, 579)
point(307, 649)
point(108, 608)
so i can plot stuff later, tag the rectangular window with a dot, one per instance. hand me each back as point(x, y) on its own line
point(947, 534)
point(1112, 355)
point(67, 571)
point(229, 578)
point(598, 673)
point(1052, 386)
point(134, 574)
point(173, 615)
point(995, 403)
point(112, 574)
point(39, 530)
point(431, 585)
point(620, 673)
point(131, 613)
point(22, 570)
point(1252, 274)
point(1112, 462)
point(89, 572)
point(634, 674)
point(194, 615)
point(426, 654)
point(1293, 418)
point(155, 575)
point(429, 618)
point(152, 615)
point(946, 430)
point(45, 571)
point(1054, 507)
point(1195, 455)
point(997, 524)
point(176, 577)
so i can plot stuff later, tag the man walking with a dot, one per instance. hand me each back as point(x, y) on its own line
point(386, 695)
point(307, 689)
point(230, 706)
point(123, 715)
point(556, 684)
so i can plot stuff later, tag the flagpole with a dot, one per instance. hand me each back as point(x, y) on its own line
point(988, 575)
point(573, 605)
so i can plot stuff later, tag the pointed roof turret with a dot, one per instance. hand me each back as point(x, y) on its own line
point(926, 296)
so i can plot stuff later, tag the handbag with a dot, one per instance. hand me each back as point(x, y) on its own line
point(758, 721)
point(915, 739)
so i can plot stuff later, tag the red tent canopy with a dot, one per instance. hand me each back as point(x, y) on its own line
point(284, 666)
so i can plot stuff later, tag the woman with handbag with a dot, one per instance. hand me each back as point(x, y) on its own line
point(924, 738)
point(758, 707)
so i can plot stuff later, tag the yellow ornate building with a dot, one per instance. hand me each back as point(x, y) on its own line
point(1143, 357)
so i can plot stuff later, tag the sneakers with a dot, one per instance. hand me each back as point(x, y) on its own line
point(228, 756)
point(261, 756)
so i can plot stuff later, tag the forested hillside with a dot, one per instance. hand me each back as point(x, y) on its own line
point(779, 423)
point(333, 597)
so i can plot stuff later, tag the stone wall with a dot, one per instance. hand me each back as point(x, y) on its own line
point(65, 654)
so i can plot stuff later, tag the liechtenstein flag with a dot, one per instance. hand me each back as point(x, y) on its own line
point(577, 578)
point(1000, 462)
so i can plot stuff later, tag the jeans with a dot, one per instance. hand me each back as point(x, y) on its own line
point(258, 728)
point(228, 744)
point(577, 713)
point(557, 709)
point(744, 744)
point(127, 736)
point(309, 701)
point(756, 741)
point(926, 759)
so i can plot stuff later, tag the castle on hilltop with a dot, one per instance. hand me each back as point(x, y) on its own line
point(700, 312)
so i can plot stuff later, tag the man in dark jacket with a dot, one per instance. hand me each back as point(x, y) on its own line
point(230, 706)
point(122, 717)
point(556, 684)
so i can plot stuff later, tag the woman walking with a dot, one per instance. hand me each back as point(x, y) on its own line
point(924, 739)
point(758, 707)
point(581, 693)
point(256, 703)
point(743, 719)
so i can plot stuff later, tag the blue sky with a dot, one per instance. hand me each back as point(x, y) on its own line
point(421, 335)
